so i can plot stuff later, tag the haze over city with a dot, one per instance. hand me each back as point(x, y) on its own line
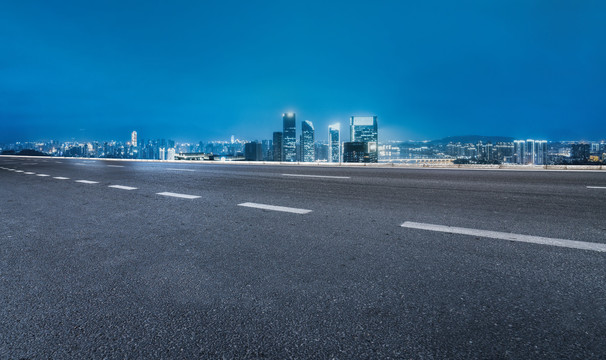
point(201, 71)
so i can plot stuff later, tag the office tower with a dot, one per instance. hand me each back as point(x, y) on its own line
point(277, 146)
point(161, 154)
point(307, 141)
point(540, 152)
point(321, 152)
point(253, 151)
point(334, 143)
point(170, 154)
point(133, 139)
point(530, 151)
point(356, 151)
point(289, 137)
point(267, 150)
point(364, 129)
point(519, 151)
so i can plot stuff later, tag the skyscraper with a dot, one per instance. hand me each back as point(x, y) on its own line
point(277, 146)
point(133, 139)
point(334, 143)
point(289, 137)
point(307, 141)
point(519, 151)
point(253, 151)
point(364, 129)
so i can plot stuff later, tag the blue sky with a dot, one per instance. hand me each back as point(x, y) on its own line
point(203, 70)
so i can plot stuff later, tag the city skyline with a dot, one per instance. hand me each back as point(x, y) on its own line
point(203, 71)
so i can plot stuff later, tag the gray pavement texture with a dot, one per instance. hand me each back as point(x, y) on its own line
point(89, 271)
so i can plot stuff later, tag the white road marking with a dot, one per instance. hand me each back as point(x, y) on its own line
point(115, 165)
point(180, 169)
point(29, 173)
point(122, 187)
point(596, 187)
point(319, 176)
point(87, 182)
point(42, 175)
point(61, 178)
point(83, 164)
point(275, 208)
point(508, 236)
point(58, 162)
point(18, 171)
point(183, 196)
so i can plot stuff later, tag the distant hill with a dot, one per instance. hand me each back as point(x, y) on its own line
point(472, 139)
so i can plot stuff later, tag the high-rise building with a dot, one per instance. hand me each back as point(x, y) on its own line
point(277, 146)
point(365, 129)
point(289, 137)
point(170, 154)
point(519, 151)
point(334, 143)
point(253, 151)
point(540, 152)
point(356, 151)
point(530, 152)
point(307, 141)
point(321, 151)
point(133, 139)
point(267, 150)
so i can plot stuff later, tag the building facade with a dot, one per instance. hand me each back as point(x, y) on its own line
point(307, 141)
point(334, 143)
point(289, 138)
point(365, 129)
point(277, 146)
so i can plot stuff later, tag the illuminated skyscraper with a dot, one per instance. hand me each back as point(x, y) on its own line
point(289, 137)
point(530, 152)
point(307, 141)
point(365, 129)
point(133, 139)
point(519, 151)
point(277, 146)
point(334, 143)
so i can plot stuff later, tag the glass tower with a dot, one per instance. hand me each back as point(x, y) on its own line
point(364, 129)
point(334, 143)
point(289, 138)
point(277, 146)
point(307, 141)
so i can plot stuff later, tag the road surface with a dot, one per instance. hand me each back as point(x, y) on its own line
point(127, 259)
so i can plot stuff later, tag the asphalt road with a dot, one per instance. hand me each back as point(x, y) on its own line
point(93, 271)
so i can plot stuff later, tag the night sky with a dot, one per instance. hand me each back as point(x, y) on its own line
point(204, 70)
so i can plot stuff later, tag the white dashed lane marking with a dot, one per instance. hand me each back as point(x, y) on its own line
point(87, 182)
point(318, 176)
point(116, 166)
point(122, 187)
point(275, 208)
point(596, 187)
point(173, 169)
point(29, 173)
point(508, 236)
point(183, 196)
point(42, 175)
point(61, 178)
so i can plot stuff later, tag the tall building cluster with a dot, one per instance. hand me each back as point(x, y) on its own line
point(362, 147)
point(292, 145)
point(530, 152)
